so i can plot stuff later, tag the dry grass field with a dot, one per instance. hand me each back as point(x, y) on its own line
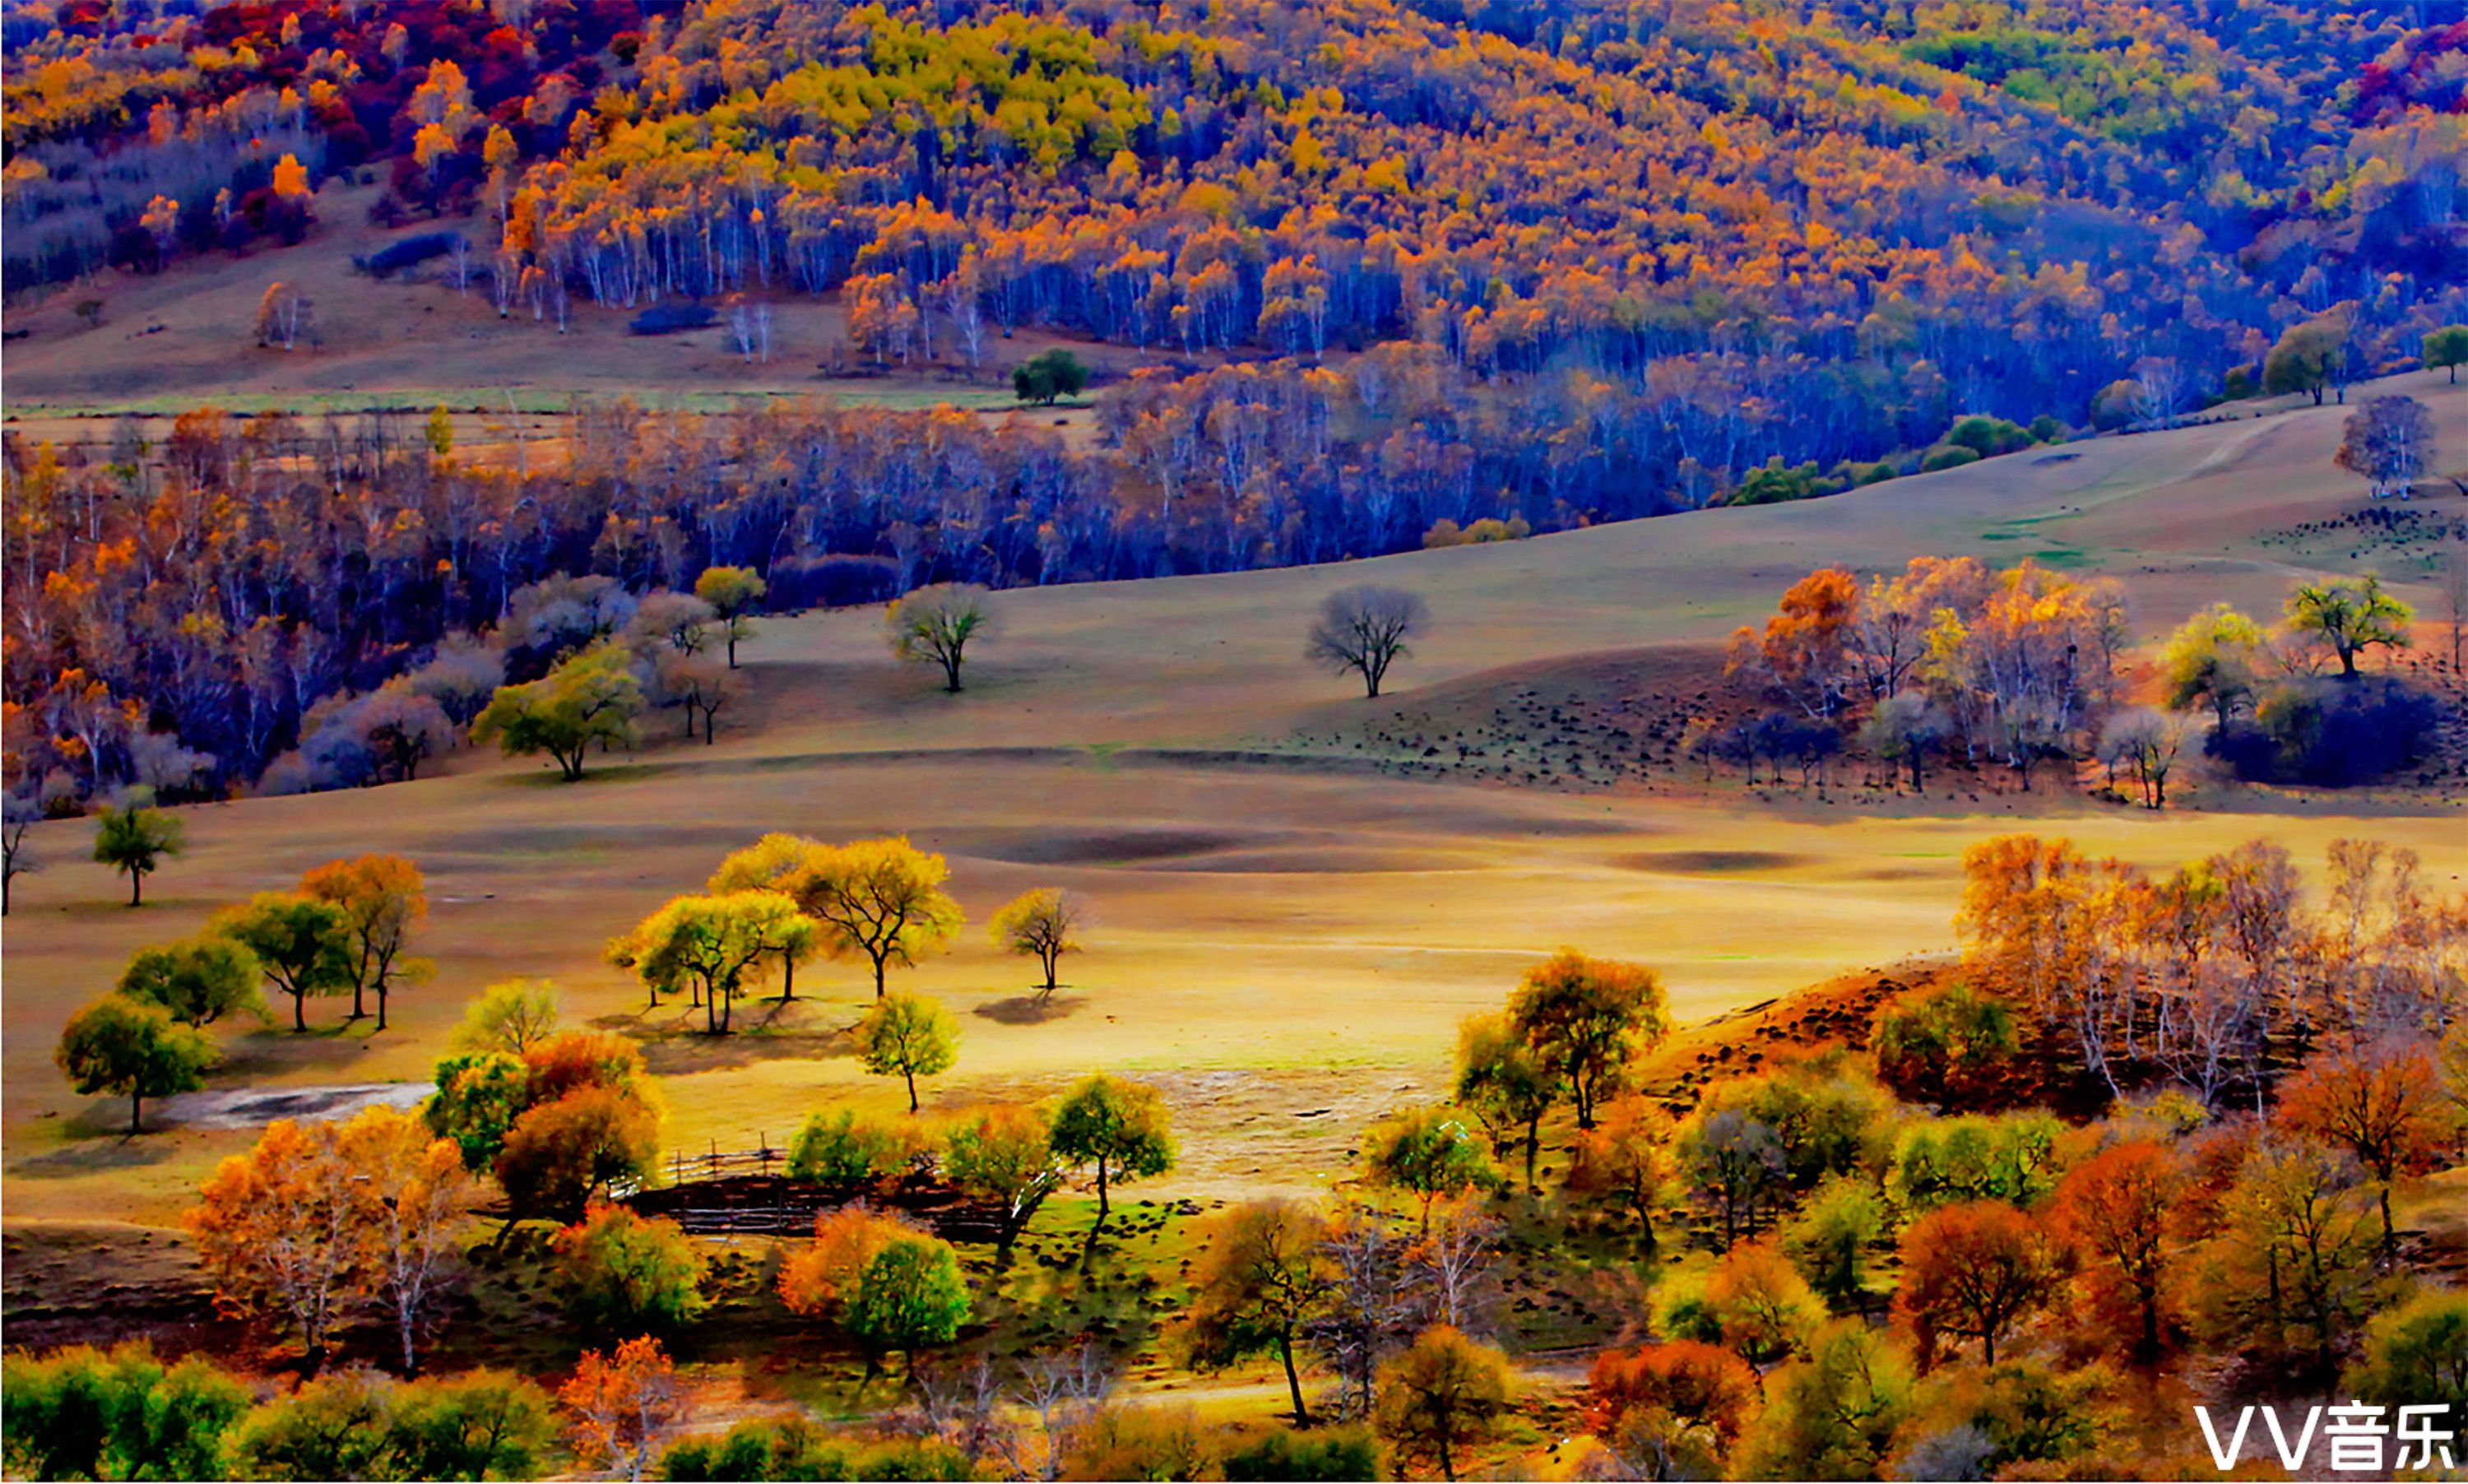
point(185, 337)
point(1288, 931)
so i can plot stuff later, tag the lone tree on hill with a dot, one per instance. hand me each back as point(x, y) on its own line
point(1365, 630)
point(1588, 1019)
point(383, 900)
point(907, 1036)
point(881, 899)
point(133, 838)
point(2308, 356)
point(593, 698)
point(302, 946)
point(1038, 924)
point(129, 1049)
point(197, 981)
point(934, 625)
point(1264, 1271)
point(1044, 377)
point(732, 593)
point(1119, 1127)
point(2446, 348)
point(2350, 615)
point(2388, 442)
point(1442, 1393)
point(712, 946)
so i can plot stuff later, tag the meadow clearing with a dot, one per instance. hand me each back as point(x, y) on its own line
point(1289, 927)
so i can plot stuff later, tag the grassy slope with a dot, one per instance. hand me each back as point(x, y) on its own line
point(412, 341)
point(1275, 940)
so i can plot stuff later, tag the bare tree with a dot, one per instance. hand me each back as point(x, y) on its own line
point(282, 314)
point(1365, 630)
point(2147, 742)
point(1065, 1391)
point(964, 1408)
point(2388, 442)
point(934, 625)
point(21, 809)
point(2158, 392)
point(1370, 1312)
point(1452, 1264)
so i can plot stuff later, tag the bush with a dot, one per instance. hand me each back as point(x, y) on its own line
point(2329, 733)
point(2047, 429)
point(665, 319)
point(2115, 406)
point(1771, 484)
point(1047, 376)
point(795, 1448)
point(836, 1149)
point(359, 1424)
point(1947, 456)
point(395, 257)
point(1987, 436)
point(79, 1413)
point(1444, 532)
point(626, 1275)
point(1943, 1045)
point(1333, 1453)
point(1942, 1161)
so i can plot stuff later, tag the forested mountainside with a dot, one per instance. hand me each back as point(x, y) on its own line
point(2016, 195)
point(1392, 264)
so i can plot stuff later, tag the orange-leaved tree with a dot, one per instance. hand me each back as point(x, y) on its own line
point(2118, 1208)
point(2385, 1105)
point(1975, 1271)
point(383, 900)
point(624, 1402)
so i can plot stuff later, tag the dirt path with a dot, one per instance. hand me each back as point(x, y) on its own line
point(254, 1107)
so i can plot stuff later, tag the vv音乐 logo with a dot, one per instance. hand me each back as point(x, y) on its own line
point(2358, 1438)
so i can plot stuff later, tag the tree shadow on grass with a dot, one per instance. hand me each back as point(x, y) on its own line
point(275, 1047)
point(1030, 1009)
point(97, 1141)
point(676, 1044)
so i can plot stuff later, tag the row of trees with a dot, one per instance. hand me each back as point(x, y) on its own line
point(347, 928)
point(2011, 667)
point(786, 898)
point(2214, 975)
point(2014, 667)
point(195, 610)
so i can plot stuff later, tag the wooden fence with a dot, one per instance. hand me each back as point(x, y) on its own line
point(730, 1193)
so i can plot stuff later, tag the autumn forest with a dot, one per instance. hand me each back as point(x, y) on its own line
point(1048, 740)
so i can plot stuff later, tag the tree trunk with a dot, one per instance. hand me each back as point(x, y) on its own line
point(1101, 1190)
point(381, 1004)
point(912, 1089)
point(1294, 1380)
point(136, 887)
point(299, 1011)
point(787, 977)
point(878, 977)
point(136, 1101)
